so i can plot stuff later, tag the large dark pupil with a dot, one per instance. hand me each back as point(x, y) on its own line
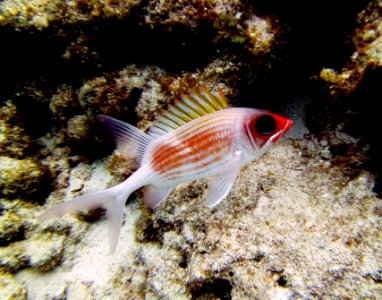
point(265, 125)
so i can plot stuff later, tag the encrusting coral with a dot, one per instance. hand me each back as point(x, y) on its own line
point(10, 288)
point(20, 177)
point(367, 40)
point(13, 139)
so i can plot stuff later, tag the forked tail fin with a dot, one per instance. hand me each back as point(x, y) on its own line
point(131, 142)
point(112, 199)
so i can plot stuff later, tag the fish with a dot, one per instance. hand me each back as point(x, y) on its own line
point(196, 137)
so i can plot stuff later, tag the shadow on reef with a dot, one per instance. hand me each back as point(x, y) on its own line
point(71, 54)
point(364, 120)
point(216, 288)
point(313, 35)
point(318, 36)
point(36, 63)
point(74, 53)
point(357, 114)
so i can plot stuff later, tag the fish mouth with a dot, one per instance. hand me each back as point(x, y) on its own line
point(278, 135)
point(288, 125)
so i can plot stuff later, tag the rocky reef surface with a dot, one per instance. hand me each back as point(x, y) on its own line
point(303, 222)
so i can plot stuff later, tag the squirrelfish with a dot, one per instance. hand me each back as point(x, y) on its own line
point(198, 136)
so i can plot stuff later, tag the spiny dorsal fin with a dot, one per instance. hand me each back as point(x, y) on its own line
point(190, 107)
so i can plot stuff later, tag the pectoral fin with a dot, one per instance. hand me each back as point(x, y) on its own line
point(220, 185)
point(153, 195)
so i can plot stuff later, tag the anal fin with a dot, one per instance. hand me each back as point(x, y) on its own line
point(153, 195)
point(220, 185)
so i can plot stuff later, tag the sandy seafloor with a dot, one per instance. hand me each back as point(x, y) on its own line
point(302, 222)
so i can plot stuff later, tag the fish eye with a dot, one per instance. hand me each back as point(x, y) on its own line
point(265, 125)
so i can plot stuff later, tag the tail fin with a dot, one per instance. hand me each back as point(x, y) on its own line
point(112, 199)
point(130, 142)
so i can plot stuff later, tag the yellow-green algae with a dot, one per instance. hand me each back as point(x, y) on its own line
point(23, 243)
point(20, 176)
point(13, 139)
point(367, 40)
point(11, 288)
point(42, 13)
point(11, 227)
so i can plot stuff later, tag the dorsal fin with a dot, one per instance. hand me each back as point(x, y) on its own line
point(190, 107)
point(131, 142)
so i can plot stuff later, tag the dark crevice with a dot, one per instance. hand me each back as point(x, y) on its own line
point(184, 260)
point(281, 281)
point(106, 45)
point(279, 276)
point(216, 288)
point(131, 116)
point(183, 264)
point(153, 232)
point(33, 63)
point(358, 115)
point(362, 119)
point(317, 32)
point(36, 116)
point(8, 236)
point(311, 36)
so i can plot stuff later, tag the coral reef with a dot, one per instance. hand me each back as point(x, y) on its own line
point(20, 177)
point(287, 214)
point(351, 97)
point(303, 222)
point(368, 51)
point(13, 140)
point(42, 14)
point(11, 228)
point(11, 288)
point(23, 244)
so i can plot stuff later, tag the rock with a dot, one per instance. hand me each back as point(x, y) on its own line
point(25, 177)
point(78, 127)
point(41, 14)
point(367, 41)
point(13, 258)
point(11, 228)
point(10, 288)
point(47, 251)
point(13, 139)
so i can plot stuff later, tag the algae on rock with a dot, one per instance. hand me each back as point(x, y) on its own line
point(10, 288)
point(13, 139)
point(21, 177)
point(367, 55)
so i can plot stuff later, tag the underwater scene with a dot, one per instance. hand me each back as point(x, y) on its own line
point(190, 149)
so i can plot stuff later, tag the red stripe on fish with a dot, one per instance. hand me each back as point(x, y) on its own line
point(200, 146)
point(205, 150)
point(172, 154)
